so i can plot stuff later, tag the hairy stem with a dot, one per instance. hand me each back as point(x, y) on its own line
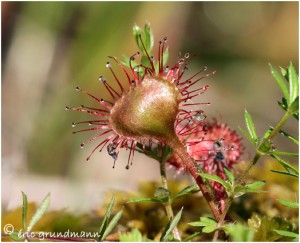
point(168, 204)
point(188, 163)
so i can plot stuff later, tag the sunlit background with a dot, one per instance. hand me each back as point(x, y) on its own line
point(49, 48)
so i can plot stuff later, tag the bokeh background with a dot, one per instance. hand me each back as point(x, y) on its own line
point(49, 48)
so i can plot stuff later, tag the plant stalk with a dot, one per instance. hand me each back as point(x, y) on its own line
point(258, 154)
point(168, 204)
point(188, 164)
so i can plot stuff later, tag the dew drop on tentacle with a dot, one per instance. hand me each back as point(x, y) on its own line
point(78, 88)
point(108, 65)
point(81, 145)
point(74, 124)
point(101, 79)
point(68, 108)
point(127, 167)
point(200, 116)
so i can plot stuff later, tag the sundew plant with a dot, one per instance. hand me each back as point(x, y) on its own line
point(156, 108)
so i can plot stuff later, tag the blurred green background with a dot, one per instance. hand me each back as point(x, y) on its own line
point(49, 48)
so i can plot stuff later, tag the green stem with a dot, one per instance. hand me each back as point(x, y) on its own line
point(278, 127)
point(258, 154)
point(168, 204)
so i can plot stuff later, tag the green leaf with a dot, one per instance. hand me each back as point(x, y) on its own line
point(287, 233)
point(106, 218)
point(134, 236)
point(137, 32)
point(149, 42)
point(289, 203)
point(39, 212)
point(277, 152)
point(250, 127)
point(295, 140)
point(284, 72)
point(294, 107)
point(217, 179)
point(166, 56)
point(209, 229)
point(24, 211)
point(246, 135)
point(204, 221)
point(229, 174)
point(293, 83)
point(254, 191)
point(285, 164)
point(171, 225)
point(186, 191)
point(111, 224)
point(15, 236)
point(283, 104)
point(255, 185)
point(146, 199)
point(189, 238)
point(280, 82)
point(126, 61)
point(285, 173)
point(239, 233)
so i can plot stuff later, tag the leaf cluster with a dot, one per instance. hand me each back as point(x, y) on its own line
point(232, 188)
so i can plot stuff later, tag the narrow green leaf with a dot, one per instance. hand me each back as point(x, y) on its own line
point(285, 173)
point(134, 236)
point(285, 164)
point(289, 203)
point(204, 221)
point(166, 56)
point(24, 211)
point(255, 185)
point(208, 220)
point(209, 229)
point(229, 175)
point(294, 107)
point(277, 152)
point(189, 238)
point(247, 135)
point(293, 83)
point(284, 72)
point(126, 61)
point(112, 224)
point(137, 32)
point(106, 217)
point(217, 179)
point(186, 191)
point(15, 236)
point(287, 233)
point(171, 225)
point(281, 82)
point(254, 191)
point(250, 127)
point(146, 199)
point(283, 104)
point(239, 232)
point(295, 140)
point(39, 212)
point(149, 42)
